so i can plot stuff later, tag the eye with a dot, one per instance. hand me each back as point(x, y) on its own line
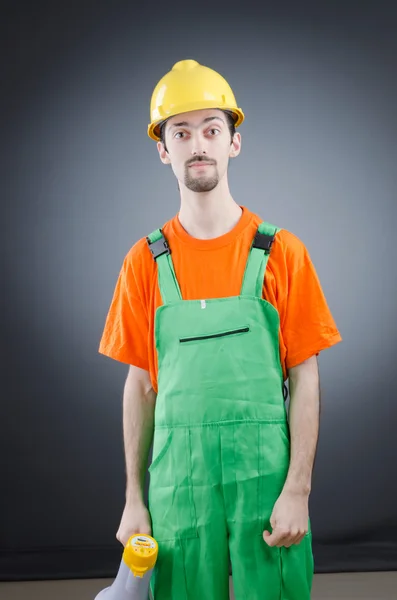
point(179, 132)
point(215, 130)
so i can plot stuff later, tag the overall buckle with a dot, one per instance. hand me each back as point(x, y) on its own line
point(263, 241)
point(159, 247)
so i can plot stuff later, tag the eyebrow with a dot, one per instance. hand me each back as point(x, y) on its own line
point(186, 124)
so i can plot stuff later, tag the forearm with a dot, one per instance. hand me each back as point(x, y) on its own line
point(304, 414)
point(138, 425)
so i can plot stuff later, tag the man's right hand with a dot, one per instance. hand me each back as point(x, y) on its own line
point(135, 519)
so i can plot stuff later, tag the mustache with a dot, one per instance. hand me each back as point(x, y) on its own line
point(200, 159)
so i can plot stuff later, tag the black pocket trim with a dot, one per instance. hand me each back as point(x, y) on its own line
point(215, 335)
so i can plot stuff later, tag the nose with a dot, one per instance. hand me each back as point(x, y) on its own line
point(198, 145)
point(196, 151)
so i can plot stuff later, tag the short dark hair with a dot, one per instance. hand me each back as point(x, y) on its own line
point(230, 123)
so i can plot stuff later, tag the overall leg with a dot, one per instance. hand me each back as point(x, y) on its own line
point(192, 569)
point(261, 572)
point(188, 518)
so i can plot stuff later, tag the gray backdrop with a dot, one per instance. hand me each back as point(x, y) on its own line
point(82, 182)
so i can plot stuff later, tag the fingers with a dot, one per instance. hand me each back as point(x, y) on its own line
point(276, 538)
point(283, 537)
point(124, 535)
point(293, 539)
point(121, 538)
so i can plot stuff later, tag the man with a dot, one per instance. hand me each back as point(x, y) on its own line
point(213, 312)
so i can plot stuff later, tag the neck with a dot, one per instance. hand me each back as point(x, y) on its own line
point(208, 215)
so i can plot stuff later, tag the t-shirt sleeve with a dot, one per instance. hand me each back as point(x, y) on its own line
point(307, 324)
point(125, 335)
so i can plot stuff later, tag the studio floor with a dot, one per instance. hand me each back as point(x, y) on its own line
point(342, 586)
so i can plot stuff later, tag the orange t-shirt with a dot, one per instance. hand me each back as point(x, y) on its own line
point(215, 268)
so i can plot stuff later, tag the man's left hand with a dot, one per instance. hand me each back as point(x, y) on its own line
point(289, 520)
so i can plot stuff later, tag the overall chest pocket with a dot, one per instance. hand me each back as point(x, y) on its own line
point(171, 503)
point(211, 336)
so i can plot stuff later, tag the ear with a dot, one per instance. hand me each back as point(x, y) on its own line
point(163, 154)
point(235, 146)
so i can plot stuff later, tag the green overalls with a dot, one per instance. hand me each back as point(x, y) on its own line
point(221, 446)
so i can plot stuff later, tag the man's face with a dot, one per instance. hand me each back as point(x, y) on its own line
point(199, 148)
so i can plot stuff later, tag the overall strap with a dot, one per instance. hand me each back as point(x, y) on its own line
point(257, 260)
point(168, 284)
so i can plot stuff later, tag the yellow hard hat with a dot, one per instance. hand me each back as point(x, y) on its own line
point(190, 86)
